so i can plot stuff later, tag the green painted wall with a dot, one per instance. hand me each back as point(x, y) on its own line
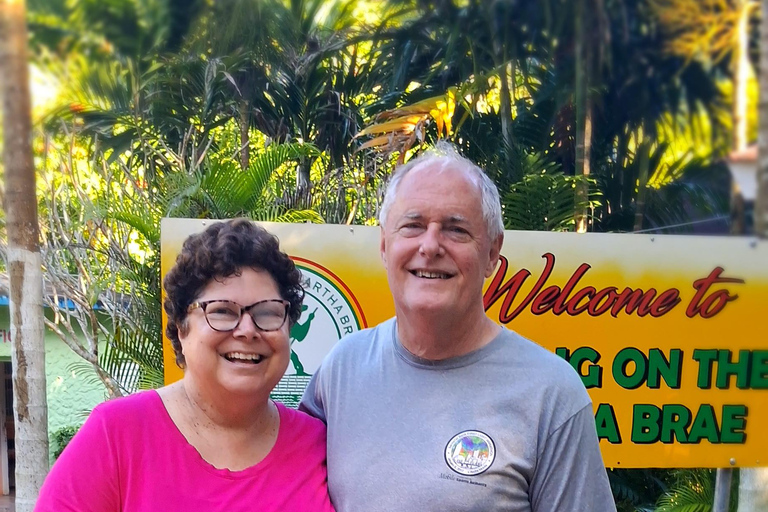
point(72, 392)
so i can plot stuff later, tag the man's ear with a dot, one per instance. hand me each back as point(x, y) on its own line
point(494, 254)
point(383, 247)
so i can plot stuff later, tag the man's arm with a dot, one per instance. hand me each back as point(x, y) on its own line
point(312, 401)
point(569, 475)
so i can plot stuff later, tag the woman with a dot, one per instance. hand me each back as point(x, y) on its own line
point(212, 441)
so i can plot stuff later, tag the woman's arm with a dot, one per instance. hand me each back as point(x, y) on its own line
point(85, 478)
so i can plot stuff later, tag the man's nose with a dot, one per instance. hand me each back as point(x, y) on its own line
point(431, 241)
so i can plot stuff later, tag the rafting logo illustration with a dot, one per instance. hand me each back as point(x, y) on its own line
point(330, 312)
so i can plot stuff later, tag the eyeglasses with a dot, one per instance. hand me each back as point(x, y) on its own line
point(225, 315)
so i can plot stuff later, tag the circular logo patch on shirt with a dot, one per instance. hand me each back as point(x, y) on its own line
point(470, 452)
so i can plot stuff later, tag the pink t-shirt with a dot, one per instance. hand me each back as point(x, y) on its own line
point(130, 457)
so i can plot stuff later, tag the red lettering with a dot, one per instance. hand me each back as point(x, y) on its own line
point(572, 306)
point(512, 287)
point(560, 306)
point(588, 299)
point(632, 300)
point(545, 300)
point(666, 301)
point(715, 303)
point(594, 308)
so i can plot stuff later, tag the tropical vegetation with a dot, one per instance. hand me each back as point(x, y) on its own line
point(590, 115)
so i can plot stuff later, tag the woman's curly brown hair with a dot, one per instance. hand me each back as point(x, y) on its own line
point(221, 251)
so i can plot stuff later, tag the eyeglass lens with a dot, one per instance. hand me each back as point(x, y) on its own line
point(224, 316)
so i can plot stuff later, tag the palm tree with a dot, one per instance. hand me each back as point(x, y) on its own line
point(761, 205)
point(102, 247)
point(714, 31)
point(23, 255)
point(753, 482)
point(283, 85)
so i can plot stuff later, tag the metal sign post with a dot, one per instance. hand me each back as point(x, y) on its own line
point(723, 481)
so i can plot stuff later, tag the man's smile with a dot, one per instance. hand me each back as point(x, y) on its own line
point(431, 274)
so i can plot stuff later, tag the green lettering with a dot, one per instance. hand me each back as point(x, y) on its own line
point(645, 423)
point(594, 376)
point(607, 427)
point(704, 426)
point(705, 359)
point(759, 373)
point(675, 419)
point(734, 422)
point(620, 363)
point(726, 368)
point(661, 368)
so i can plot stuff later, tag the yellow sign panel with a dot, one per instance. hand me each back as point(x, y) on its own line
point(669, 333)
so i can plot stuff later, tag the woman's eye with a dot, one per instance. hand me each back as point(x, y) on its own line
point(222, 311)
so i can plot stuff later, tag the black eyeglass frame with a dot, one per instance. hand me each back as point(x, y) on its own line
point(243, 309)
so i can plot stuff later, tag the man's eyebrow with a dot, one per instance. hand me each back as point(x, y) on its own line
point(451, 219)
point(455, 219)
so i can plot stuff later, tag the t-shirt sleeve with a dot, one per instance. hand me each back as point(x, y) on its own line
point(312, 400)
point(570, 474)
point(85, 476)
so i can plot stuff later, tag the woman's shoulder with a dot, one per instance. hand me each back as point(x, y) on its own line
point(138, 407)
point(300, 423)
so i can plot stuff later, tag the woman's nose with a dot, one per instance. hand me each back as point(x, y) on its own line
point(245, 328)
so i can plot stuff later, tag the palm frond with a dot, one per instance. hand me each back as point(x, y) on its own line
point(545, 202)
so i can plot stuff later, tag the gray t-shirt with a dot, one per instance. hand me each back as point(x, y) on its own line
point(508, 427)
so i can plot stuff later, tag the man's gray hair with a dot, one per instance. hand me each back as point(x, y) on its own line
point(445, 154)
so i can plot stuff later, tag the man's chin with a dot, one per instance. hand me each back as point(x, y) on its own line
point(428, 306)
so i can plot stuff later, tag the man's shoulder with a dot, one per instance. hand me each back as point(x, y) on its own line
point(540, 365)
point(365, 342)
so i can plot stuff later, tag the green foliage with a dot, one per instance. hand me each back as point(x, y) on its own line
point(545, 202)
point(636, 490)
point(693, 491)
point(61, 439)
point(251, 107)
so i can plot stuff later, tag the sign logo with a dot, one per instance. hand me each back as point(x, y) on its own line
point(470, 452)
point(330, 312)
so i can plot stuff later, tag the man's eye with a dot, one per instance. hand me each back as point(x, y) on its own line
point(411, 229)
point(458, 233)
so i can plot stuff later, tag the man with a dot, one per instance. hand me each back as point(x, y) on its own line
point(441, 409)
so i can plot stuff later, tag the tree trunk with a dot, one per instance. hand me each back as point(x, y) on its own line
point(303, 183)
point(643, 155)
point(753, 482)
point(741, 78)
point(24, 262)
point(505, 106)
point(245, 140)
point(583, 114)
point(753, 490)
point(761, 202)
